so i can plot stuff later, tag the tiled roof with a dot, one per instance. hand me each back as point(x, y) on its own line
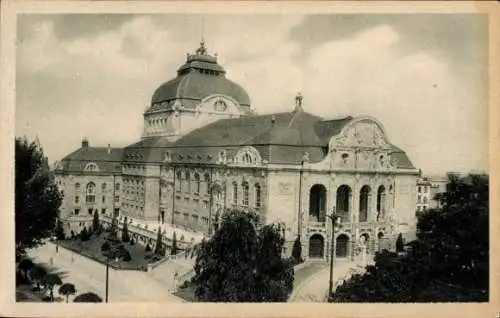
point(281, 138)
point(107, 160)
point(196, 86)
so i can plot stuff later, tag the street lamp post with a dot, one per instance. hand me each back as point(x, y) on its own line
point(335, 221)
point(107, 278)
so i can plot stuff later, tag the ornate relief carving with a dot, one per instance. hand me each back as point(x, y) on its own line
point(284, 188)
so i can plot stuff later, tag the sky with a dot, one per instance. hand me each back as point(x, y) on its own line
point(424, 76)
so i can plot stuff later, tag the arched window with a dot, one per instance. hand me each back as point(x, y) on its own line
point(197, 182)
point(363, 203)
point(343, 202)
point(245, 193)
point(317, 203)
point(380, 202)
point(235, 193)
point(90, 192)
point(257, 196)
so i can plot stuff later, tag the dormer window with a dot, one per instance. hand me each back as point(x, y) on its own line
point(247, 159)
point(344, 157)
point(91, 167)
point(222, 156)
point(220, 105)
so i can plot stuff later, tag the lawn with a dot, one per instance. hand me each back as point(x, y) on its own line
point(92, 249)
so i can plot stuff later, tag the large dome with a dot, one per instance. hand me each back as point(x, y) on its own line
point(200, 77)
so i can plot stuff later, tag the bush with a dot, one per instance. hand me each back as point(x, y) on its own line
point(148, 248)
point(184, 285)
point(105, 247)
point(131, 242)
point(126, 256)
point(85, 234)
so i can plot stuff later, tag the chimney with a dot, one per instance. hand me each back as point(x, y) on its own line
point(85, 142)
point(109, 149)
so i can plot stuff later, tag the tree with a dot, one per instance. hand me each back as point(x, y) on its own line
point(84, 234)
point(297, 250)
point(50, 281)
point(59, 231)
point(37, 199)
point(96, 224)
point(174, 245)
point(242, 262)
point(125, 234)
point(37, 274)
point(447, 262)
point(25, 265)
point(88, 298)
point(159, 244)
point(399, 243)
point(66, 290)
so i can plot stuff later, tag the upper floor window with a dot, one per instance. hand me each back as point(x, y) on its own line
point(117, 187)
point(235, 193)
point(197, 182)
point(104, 186)
point(90, 192)
point(91, 167)
point(245, 193)
point(179, 180)
point(257, 196)
point(188, 181)
point(77, 187)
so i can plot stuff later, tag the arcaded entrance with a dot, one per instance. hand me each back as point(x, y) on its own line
point(317, 203)
point(316, 246)
point(341, 245)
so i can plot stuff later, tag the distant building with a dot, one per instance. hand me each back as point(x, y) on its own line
point(203, 150)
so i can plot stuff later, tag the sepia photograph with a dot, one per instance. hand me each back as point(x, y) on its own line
point(281, 157)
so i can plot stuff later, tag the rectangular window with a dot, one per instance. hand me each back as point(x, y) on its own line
point(117, 198)
point(77, 199)
point(186, 216)
point(195, 218)
point(204, 220)
point(90, 211)
point(117, 187)
point(103, 199)
point(77, 211)
point(103, 211)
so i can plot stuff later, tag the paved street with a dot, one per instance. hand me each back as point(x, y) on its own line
point(90, 276)
point(315, 287)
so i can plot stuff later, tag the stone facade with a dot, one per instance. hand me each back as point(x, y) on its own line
point(199, 157)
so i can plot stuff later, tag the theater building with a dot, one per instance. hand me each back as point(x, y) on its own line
point(204, 150)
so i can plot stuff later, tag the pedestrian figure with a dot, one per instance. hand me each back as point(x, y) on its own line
point(57, 248)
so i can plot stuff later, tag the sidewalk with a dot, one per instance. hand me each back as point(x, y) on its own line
point(90, 276)
point(315, 288)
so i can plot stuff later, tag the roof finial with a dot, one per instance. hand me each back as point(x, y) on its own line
point(298, 101)
point(202, 50)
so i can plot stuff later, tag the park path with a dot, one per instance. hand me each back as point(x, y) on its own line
point(315, 287)
point(90, 276)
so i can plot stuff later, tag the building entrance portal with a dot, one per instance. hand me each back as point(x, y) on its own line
point(316, 246)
